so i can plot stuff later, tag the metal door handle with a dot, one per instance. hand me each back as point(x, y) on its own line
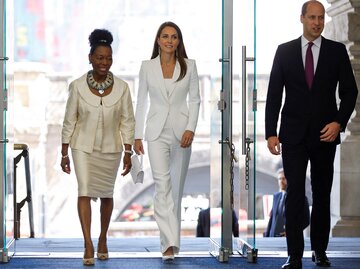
point(244, 60)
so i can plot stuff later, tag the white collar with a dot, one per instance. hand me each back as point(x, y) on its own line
point(304, 41)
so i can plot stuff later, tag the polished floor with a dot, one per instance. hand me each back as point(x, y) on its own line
point(148, 247)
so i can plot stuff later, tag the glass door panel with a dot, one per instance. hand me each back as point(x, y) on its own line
point(233, 183)
point(6, 139)
point(245, 131)
point(221, 196)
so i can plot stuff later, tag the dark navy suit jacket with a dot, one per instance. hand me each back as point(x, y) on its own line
point(307, 111)
point(203, 225)
point(273, 230)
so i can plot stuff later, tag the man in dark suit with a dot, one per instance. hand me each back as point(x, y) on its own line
point(203, 225)
point(311, 121)
point(276, 224)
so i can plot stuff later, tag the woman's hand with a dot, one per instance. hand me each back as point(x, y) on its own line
point(65, 160)
point(65, 164)
point(138, 147)
point(187, 139)
point(127, 164)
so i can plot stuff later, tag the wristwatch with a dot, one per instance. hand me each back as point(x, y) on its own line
point(129, 151)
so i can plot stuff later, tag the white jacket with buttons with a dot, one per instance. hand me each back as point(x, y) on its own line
point(82, 114)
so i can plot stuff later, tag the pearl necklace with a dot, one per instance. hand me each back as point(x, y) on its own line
point(102, 86)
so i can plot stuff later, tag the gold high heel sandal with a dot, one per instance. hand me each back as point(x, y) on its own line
point(102, 256)
point(88, 261)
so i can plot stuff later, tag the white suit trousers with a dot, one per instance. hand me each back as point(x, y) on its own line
point(169, 164)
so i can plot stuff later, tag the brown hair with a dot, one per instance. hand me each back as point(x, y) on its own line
point(305, 5)
point(180, 51)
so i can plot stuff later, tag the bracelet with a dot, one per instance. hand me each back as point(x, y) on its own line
point(129, 151)
point(65, 156)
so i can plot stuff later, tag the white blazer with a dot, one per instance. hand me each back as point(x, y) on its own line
point(82, 115)
point(181, 104)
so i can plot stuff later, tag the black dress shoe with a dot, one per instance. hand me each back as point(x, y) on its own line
point(292, 263)
point(320, 259)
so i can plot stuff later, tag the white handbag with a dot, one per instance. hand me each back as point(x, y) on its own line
point(136, 171)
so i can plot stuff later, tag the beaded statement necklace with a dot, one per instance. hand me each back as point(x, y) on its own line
point(102, 86)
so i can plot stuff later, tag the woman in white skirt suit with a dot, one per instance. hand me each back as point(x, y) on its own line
point(171, 82)
point(99, 126)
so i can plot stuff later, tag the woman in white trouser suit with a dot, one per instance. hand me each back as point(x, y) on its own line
point(171, 82)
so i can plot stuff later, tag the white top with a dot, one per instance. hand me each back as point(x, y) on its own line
point(168, 84)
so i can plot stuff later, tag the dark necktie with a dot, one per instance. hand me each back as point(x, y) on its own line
point(309, 65)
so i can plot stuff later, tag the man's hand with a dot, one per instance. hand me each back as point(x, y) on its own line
point(274, 145)
point(330, 132)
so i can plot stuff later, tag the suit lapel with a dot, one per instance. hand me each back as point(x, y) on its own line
point(300, 65)
point(277, 201)
point(158, 75)
point(86, 94)
point(322, 59)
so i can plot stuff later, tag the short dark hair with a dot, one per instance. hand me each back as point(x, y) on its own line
point(305, 6)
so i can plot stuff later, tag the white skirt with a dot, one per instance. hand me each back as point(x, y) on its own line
point(96, 173)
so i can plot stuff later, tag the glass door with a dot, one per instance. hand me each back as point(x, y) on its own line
point(232, 195)
point(6, 141)
point(245, 40)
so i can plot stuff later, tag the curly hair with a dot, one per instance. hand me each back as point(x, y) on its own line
point(100, 37)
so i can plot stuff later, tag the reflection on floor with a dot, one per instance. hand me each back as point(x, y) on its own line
point(149, 247)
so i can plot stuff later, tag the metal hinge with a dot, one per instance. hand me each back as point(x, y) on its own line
point(255, 100)
point(5, 100)
point(221, 103)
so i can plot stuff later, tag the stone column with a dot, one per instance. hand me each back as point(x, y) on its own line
point(345, 27)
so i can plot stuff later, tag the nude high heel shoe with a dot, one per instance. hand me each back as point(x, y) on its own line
point(88, 261)
point(102, 256)
point(168, 255)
